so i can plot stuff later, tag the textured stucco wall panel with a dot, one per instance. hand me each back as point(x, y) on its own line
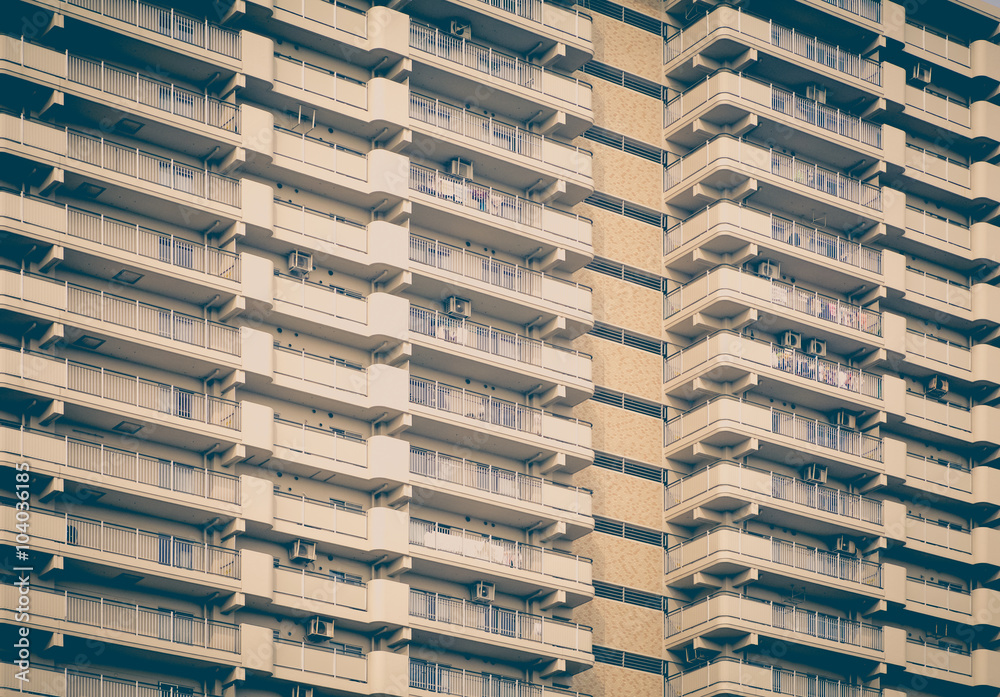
point(622, 368)
point(627, 433)
point(627, 47)
point(623, 562)
point(611, 681)
point(623, 497)
point(627, 176)
point(623, 626)
point(625, 304)
point(624, 239)
point(633, 114)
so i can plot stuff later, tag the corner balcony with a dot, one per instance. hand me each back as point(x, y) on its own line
point(728, 486)
point(726, 162)
point(951, 602)
point(729, 421)
point(515, 154)
point(730, 676)
point(319, 452)
point(725, 613)
point(727, 292)
point(296, 590)
point(465, 556)
point(727, 551)
point(498, 632)
point(519, 500)
point(926, 354)
point(975, 60)
point(203, 270)
point(964, 244)
point(727, 357)
point(434, 678)
point(726, 32)
point(439, 410)
point(726, 97)
point(724, 227)
point(927, 111)
point(462, 208)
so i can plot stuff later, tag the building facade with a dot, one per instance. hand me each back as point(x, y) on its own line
point(507, 348)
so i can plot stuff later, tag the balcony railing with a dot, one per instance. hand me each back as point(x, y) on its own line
point(944, 229)
point(331, 660)
point(125, 465)
point(568, 20)
point(770, 290)
point(951, 658)
point(776, 486)
point(500, 204)
point(320, 514)
point(111, 615)
point(935, 287)
point(769, 160)
point(499, 412)
point(118, 387)
point(498, 134)
point(319, 153)
point(500, 621)
point(335, 15)
point(100, 306)
point(501, 66)
point(727, 605)
point(951, 536)
point(776, 551)
point(127, 237)
point(938, 166)
point(319, 297)
point(938, 411)
point(501, 274)
point(802, 45)
point(765, 353)
point(498, 551)
point(952, 475)
point(760, 678)
point(940, 44)
point(778, 99)
point(442, 679)
point(314, 587)
point(939, 105)
point(169, 23)
point(325, 227)
point(728, 409)
point(72, 683)
point(947, 596)
point(320, 81)
point(494, 480)
point(940, 350)
point(770, 226)
point(327, 443)
point(322, 370)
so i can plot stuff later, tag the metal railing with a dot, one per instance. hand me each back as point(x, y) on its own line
point(769, 419)
point(776, 486)
point(163, 96)
point(770, 290)
point(938, 411)
point(320, 297)
point(501, 66)
point(125, 465)
point(869, 9)
point(500, 621)
point(124, 312)
point(945, 656)
point(774, 550)
point(940, 44)
point(777, 615)
point(320, 81)
point(956, 537)
point(121, 388)
point(774, 227)
point(937, 288)
point(319, 587)
point(571, 21)
point(333, 14)
point(331, 660)
point(778, 99)
point(944, 595)
point(495, 480)
point(169, 23)
point(321, 514)
point(323, 370)
point(442, 679)
point(763, 678)
point(497, 550)
point(763, 29)
point(944, 229)
point(938, 166)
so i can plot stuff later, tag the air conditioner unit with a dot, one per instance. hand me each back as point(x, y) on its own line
point(920, 74)
point(483, 592)
point(458, 307)
point(937, 386)
point(790, 339)
point(693, 655)
point(462, 30)
point(814, 473)
point(846, 419)
point(770, 269)
point(302, 551)
point(816, 93)
point(816, 347)
point(320, 629)
point(300, 263)
point(843, 545)
point(460, 168)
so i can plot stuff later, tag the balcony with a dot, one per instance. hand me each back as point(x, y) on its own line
point(328, 13)
point(726, 225)
point(318, 593)
point(327, 232)
point(940, 472)
point(710, 420)
point(325, 519)
point(936, 234)
point(434, 678)
point(721, 613)
point(724, 547)
point(322, 449)
point(953, 602)
point(728, 485)
point(951, 49)
point(953, 537)
point(819, 54)
point(312, 301)
point(297, 151)
point(938, 166)
point(724, 281)
point(939, 108)
point(106, 237)
point(564, 20)
point(725, 86)
point(61, 301)
point(65, 682)
point(732, 676)
point(956, 419)
point(510, 634)
point(328, 383)
point(322, 665)
point(712, 165)
point(564, 91)
point(328, 86)
point(945, 660)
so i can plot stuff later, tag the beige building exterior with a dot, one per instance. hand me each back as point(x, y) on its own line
point(500, 348)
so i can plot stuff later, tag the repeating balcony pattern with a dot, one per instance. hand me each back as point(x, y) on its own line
point(321, 370)
point(320, 81)
point(869, 9)
point(168, 23)
point(941, 412)
point(568, 20)
point(442, 679)
point(324, 227)
point(335, 15)
point(327, 299)
point(946, 656)
point(937, 227)
point(500, 204)
point(776, 551)
point(762, 29)
point(335, 661)
point(321, 515)
point(332, 445)
point(777, 486)
point(937, 349)
point(308, 588)
point(124, 389)
point(944, 595)
point(953, 475)
point(935, 287)
point(938, 105)
point(940, 44)
point(937, 533)
point(939, 166)
point(300, 147)
point(66, 682)
point(758, 678)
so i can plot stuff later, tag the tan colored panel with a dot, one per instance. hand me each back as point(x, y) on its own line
point(624, 432)
point(625, 304)
point(627, 176)
point(623, 562)
point(627, 112)
point(629, 48)
point(623, 497)
point(611, 681)
point(623, 368)
point(618, 625)
point(624, 239)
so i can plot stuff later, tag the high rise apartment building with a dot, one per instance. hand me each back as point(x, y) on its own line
point(501, 348)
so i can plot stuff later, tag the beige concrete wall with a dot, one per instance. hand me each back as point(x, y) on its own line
point(627, 176)
point(624, 239)
point(620, 625)
point(627, 47)
point(620, 367)
point(624, 304)
point(623, 432)
point(623, 562)
point(631, 113)
point(624, 497)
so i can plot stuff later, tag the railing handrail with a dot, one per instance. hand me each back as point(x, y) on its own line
point(326, 503)
point(307, 64)
point(925, 335)
point(422, 524)
point(961, 466)
point(518, 615)
point(99, 684)
point(333, 146)
point(339, 290)
point(949, 648)
point(340, 362)
point(462, 682)
point(809, 678)
point(947, 585)
point(928, 274)
point(337, 6)
point(910, 392)
point(324, 214)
